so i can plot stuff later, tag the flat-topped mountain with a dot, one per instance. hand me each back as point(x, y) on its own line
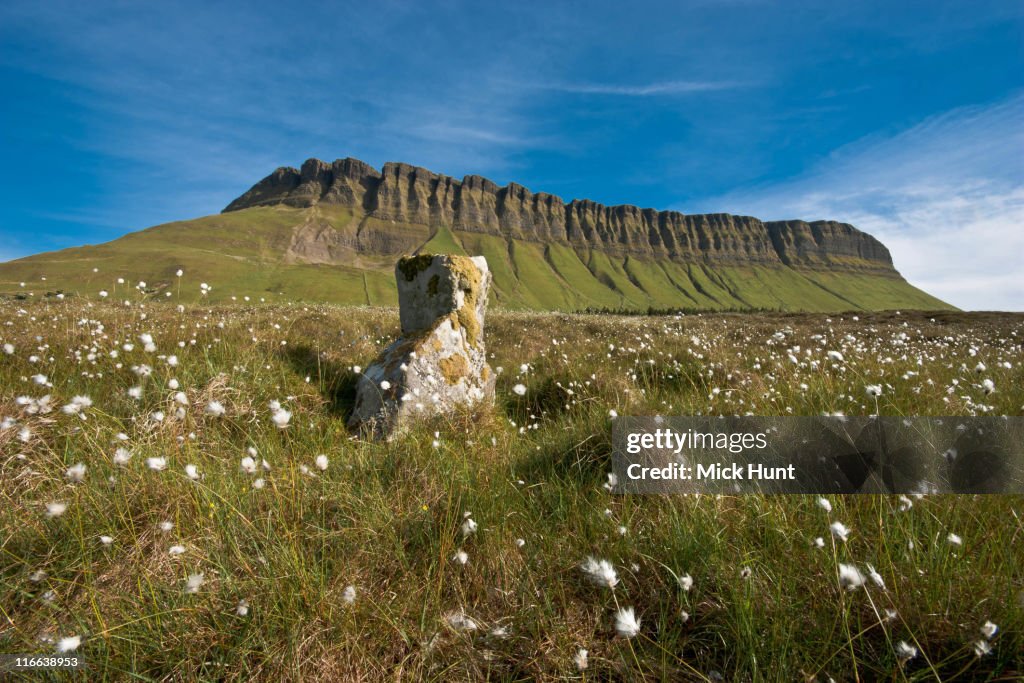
point(410, 195)
point(332, 232)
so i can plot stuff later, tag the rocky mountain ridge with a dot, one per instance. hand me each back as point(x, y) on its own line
point(403, 194)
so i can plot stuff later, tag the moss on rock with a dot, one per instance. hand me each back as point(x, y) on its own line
point(411, 266)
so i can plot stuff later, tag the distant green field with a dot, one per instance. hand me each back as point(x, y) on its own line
point(265, 254)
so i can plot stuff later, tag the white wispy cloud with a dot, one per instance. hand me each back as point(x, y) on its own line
point(640, 90)
point(946, 196)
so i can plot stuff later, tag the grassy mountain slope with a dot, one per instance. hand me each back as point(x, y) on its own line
point(252, 253)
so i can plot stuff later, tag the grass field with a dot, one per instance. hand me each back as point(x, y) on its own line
point(285, 255)
point(176, 520)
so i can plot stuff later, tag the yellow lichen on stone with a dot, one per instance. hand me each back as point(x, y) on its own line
point(485, 373)
point(454, 368)
point(469, 281)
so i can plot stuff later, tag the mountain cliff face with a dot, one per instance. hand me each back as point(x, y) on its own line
point(413, 196)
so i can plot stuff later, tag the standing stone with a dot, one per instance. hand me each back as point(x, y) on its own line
point(439, 363)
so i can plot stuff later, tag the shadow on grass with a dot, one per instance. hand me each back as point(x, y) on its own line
point(579, 454)
point(337, 382)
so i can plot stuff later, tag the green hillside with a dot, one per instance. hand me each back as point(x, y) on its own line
point(262, 253)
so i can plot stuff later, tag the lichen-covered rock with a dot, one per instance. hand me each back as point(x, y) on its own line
point(439, 364)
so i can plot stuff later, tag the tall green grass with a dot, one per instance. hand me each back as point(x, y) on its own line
point(386, 517)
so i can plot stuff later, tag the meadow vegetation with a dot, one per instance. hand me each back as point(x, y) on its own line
point(180, 499)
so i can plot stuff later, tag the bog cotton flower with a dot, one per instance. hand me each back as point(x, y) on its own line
point(176, 550)
point(519, 389)
point(824, 504)
point(69, 643)
point(9, 349)
point(988, 629)
point(876, 577)
point(122, 456)
point(281, 418)
point(839, 530)
point(321, 463)
point(195, 582)
point(156, 464)
point(248, 465)
point(214, 408)
point(348, 596)
point(580, 659)
point(76, 473)
point(599, 572)
point(192, 472)
point(626, 623)
point(850, 577)
point(77, 405)
point(905, 651)
point(873, 390)
point(460, 622)
point(55, 509)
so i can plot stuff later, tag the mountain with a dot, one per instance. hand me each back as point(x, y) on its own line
point(333, 231)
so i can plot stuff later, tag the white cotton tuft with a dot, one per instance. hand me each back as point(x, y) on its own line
point(460, 622)
point(55, 509)
point(905, 651)
point(69, 643)
point(839, 530)
point(626, 623)
point(194, 583)
point(600, 572)
point(850, 577)
point(76, 473)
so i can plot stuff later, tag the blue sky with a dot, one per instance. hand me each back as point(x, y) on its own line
point(902, 118)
